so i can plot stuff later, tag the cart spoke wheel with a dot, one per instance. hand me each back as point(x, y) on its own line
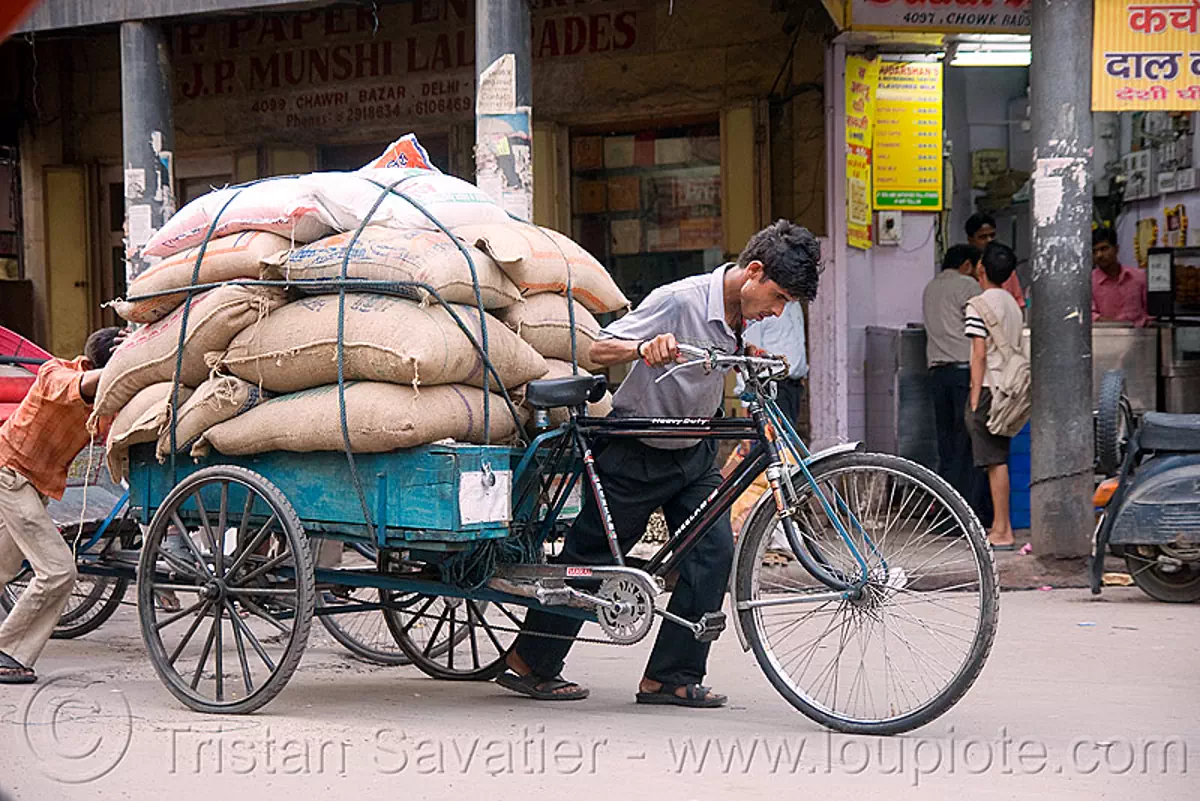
point(228, 544)
point(363, 633)
point(459, 639)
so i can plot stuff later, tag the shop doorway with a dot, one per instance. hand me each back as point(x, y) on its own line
point(647, 201)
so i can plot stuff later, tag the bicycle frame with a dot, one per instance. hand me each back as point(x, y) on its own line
point(772, 434)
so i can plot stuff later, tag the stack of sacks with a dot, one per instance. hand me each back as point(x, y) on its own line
point(414, 376)
point(544, 264)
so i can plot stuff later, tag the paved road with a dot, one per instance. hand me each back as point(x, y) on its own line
point(1080, 700)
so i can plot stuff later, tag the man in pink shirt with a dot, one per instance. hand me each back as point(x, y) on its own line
point(1118, 292)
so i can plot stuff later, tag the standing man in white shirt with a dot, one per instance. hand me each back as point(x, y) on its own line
point(783, 336)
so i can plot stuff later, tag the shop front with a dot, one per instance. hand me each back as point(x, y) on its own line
point(664, 135)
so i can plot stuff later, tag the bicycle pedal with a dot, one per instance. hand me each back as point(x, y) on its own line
point(710, 626)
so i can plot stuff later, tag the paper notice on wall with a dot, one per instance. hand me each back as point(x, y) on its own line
point(140, 225)
point(504, 160)
point(135, 184)
point(498, 87)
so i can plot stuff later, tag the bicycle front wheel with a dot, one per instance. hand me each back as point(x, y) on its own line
point(906, 647)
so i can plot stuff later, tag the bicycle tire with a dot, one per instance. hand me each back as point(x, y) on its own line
point(749, 566)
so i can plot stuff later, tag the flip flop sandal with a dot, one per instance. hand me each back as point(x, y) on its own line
point(541, 689)
point(1012, 546)
point(13, 672)
point(696, 695)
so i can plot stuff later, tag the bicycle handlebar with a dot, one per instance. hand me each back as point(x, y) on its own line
point(712, 358)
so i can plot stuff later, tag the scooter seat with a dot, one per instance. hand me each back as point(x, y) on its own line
point(1160, 431)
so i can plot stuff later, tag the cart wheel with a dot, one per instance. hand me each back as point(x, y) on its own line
point(365, 634)
point(1114, 423)
point(94, 599)
point(244, 576)
point(457, 639)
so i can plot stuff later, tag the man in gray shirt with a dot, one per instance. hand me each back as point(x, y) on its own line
point(779, 264)
point(948, 353)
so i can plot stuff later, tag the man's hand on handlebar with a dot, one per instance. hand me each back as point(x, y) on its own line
point(660, 351)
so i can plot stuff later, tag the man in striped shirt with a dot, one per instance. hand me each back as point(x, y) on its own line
point(994, 312)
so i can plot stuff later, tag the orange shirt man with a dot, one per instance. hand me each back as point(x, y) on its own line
point(37, 445)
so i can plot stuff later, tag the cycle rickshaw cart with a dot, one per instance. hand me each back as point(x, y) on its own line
point(881, 624)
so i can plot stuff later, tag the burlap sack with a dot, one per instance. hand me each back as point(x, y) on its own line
point(386, 339)
point(218, 399)
point(545, 323)
point(139, 421)
point(250, 254)
point(380, 417)
point(561, 369)
point(539, 260)
point(147, 356)
point(388, 254)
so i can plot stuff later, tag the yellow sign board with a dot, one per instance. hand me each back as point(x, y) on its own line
point(1146, 55)
point(861, 77)
point(908, 136)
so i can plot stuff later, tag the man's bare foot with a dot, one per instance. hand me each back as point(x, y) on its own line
point(1001, 539)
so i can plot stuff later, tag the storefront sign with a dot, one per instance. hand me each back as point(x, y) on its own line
point(1146, 56)
point(861, 77)
point(941, 16)
point(390, 66)
point(908, 136)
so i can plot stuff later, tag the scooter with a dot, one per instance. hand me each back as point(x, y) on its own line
point(1149, 512)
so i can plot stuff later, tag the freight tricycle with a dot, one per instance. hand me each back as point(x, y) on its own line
point(879, 624)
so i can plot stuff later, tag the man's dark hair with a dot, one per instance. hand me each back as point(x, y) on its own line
point(1102, 234)
point(790, 255)
point(978, 220)
point(999, 261)
point(958, 254)
point(100, 346)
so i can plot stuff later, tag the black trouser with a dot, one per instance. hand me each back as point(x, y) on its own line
point(788, 394)
point(638, 479)
point(951, 389)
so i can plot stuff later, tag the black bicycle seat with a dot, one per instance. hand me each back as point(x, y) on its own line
point(570, 391)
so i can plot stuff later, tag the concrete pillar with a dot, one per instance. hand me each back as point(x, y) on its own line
point(148, 134)
point(1061, 317)
point(503, 129)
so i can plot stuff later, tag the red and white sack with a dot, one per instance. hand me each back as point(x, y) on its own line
point(250, 254)
point(305, 208)
point(288, 206)
point(542, 260)
point(404, 152)
point(349, 197)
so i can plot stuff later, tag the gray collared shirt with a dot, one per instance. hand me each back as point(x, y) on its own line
point(694, 311)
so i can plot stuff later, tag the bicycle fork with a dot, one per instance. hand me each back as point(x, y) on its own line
point(806, 551)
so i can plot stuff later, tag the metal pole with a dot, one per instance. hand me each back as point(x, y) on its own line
point(148, 133)
point(1062, 447)
point(503, 141)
